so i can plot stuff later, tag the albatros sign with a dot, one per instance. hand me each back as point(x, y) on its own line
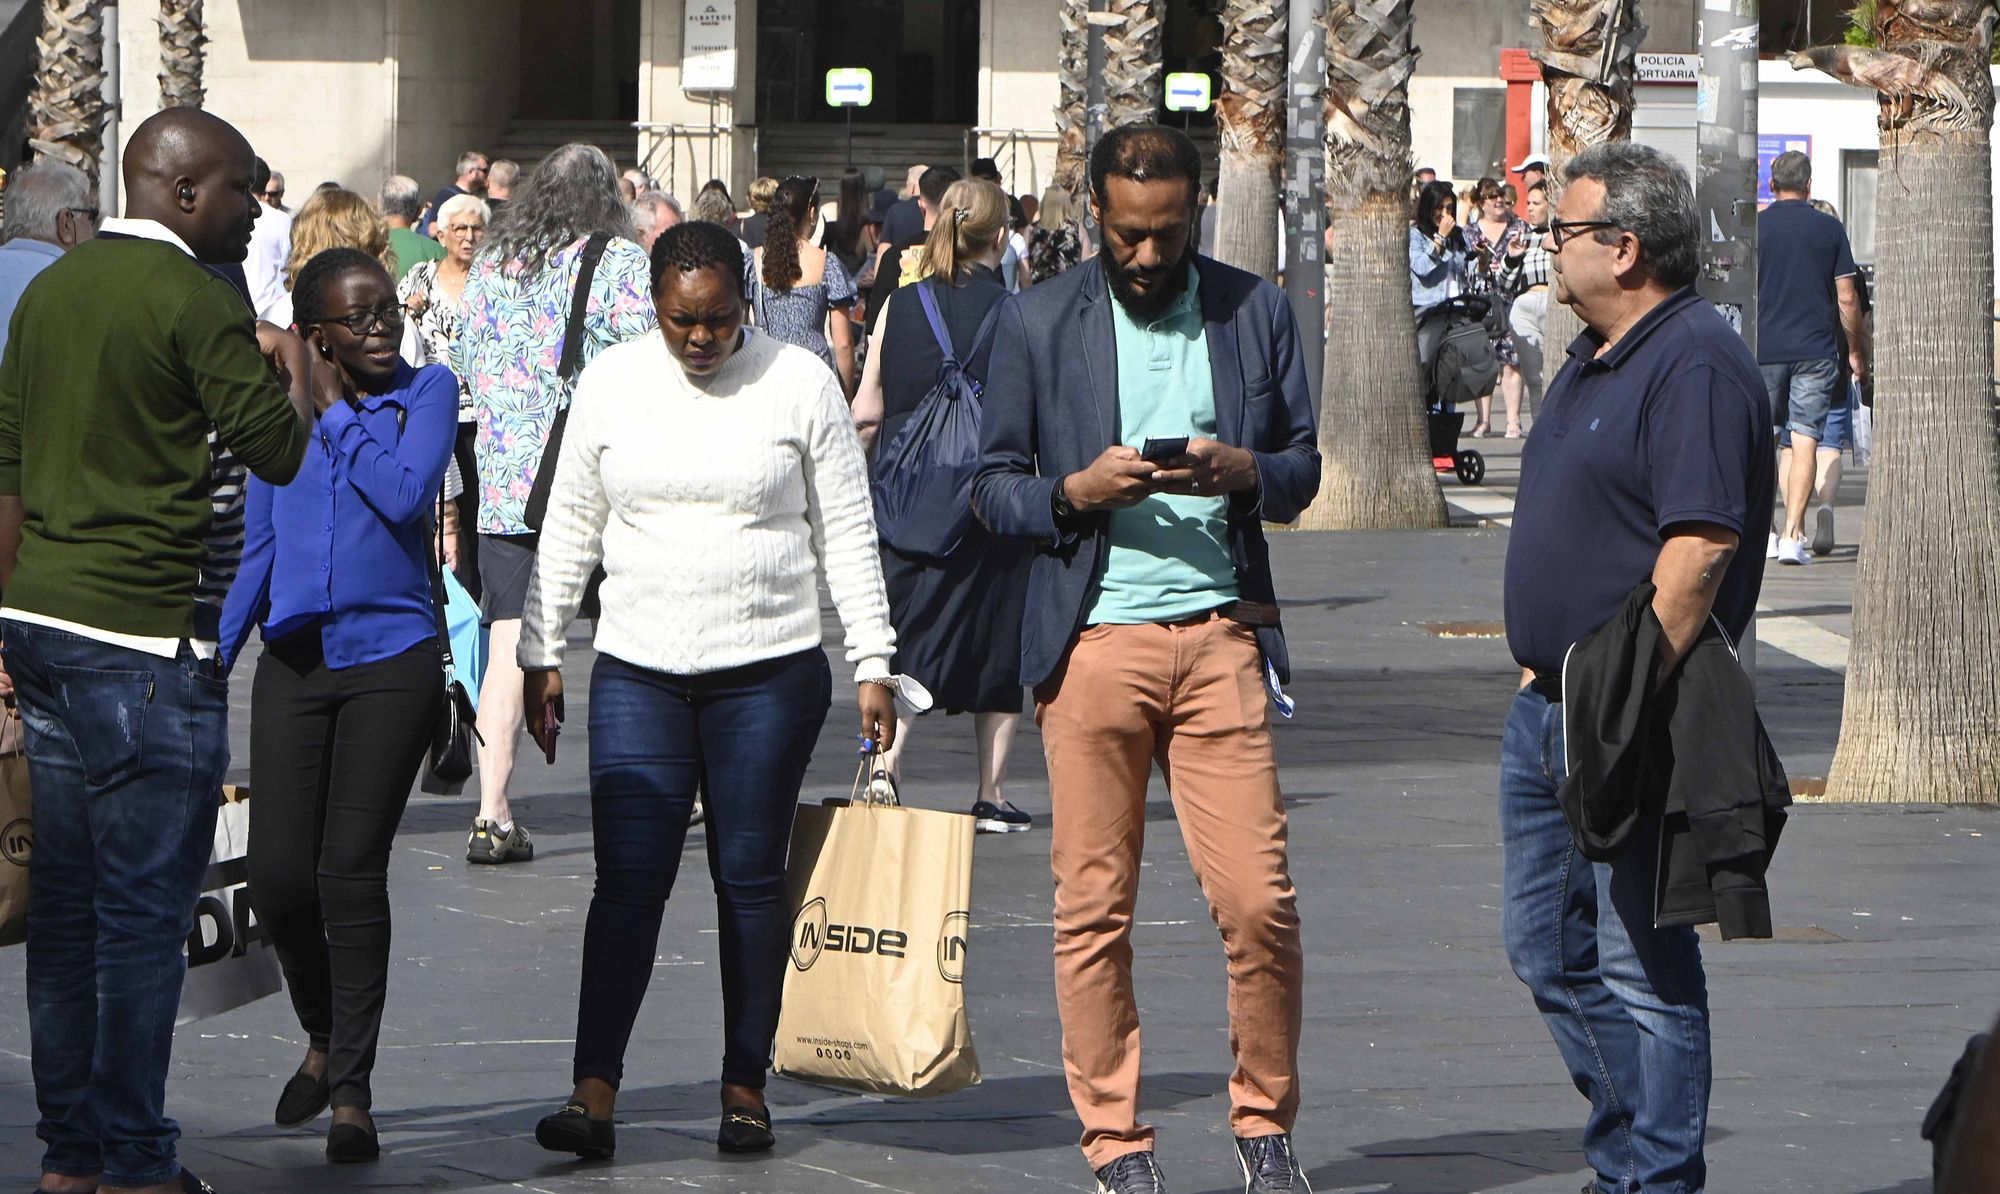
point(708, 46)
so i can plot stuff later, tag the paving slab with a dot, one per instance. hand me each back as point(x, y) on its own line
point(1426, 1069)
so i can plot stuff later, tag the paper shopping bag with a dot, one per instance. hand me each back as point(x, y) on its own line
point(881, 911)
point(17, 831)
point(230, 959)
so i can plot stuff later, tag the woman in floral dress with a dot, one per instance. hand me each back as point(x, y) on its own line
point(1489, 240)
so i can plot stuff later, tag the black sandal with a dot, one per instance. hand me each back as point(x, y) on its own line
point(572, 1130)
point(745, 1130)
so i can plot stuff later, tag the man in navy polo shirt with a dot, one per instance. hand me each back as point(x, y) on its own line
point(1807, 299)
point(1651, 460)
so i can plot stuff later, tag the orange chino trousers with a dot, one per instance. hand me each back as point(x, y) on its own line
point(1190, 697)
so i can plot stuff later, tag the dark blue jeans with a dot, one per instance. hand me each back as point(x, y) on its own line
point(127, 753)
point(745, 736)
point(1626, 1002)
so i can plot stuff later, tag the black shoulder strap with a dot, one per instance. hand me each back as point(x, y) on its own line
point(986, 330)
point(579, 305)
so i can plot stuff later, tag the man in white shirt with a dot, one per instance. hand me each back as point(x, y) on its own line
point(270, 246)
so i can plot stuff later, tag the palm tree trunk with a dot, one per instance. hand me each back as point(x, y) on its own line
point(1922, 716)
point(1377, 471)
point(181, 54)
point(66, 105)
point(1250, 126)
point(1073, 87)
point(1132, 82)
point(1587, 60)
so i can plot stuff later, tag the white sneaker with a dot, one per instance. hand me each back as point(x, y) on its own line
point(1822, 536)
point(1793, 551)
point(1771, 548)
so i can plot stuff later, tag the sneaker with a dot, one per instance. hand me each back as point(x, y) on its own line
point(1771, 548)
point(1133, 1173)
point(1269, 1166)
point(1822, 536)
point(1793, 551)
point(488, 846)
point(988, 817)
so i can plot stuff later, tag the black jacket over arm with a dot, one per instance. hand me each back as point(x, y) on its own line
point(1690, 754)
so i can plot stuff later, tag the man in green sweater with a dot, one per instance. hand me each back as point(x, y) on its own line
point(134, 392)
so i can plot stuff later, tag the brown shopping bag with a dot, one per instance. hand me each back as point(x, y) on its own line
point(230, 959)
point(17, 831)
point(874, 996)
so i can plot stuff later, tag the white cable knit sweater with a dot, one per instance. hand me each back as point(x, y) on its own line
point(711, 503)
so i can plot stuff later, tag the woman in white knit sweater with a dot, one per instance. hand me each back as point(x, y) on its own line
point(716, 474)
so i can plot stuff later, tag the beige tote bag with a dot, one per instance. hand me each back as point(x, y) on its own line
point(881, 910)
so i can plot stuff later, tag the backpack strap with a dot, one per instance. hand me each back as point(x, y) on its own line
point(929, 299)
point(979, 338)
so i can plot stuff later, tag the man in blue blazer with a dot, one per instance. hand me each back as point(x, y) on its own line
point(1145, 413)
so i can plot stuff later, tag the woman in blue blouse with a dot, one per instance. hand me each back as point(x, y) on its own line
point(1437, 248)
point(336, 571)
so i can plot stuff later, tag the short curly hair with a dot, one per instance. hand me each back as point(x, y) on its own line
point(319, 273)
point(697, 244)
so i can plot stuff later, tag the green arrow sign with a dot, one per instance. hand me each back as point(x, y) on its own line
point(850, 87)
point(1189, 91)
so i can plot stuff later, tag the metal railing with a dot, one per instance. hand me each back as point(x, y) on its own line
point(1017, 146)
point(671, 139)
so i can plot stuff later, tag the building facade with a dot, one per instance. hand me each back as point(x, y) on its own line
point(699, 89)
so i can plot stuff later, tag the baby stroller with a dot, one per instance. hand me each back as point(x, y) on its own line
point(1455, 350)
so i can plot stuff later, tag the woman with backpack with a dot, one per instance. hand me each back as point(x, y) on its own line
point(958, 619)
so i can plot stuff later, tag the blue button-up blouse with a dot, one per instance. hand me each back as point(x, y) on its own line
point(342, 549)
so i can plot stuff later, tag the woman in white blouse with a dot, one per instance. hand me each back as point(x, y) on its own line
point(716, 474)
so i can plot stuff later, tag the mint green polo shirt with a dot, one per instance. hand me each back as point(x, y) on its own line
point(1168, 556)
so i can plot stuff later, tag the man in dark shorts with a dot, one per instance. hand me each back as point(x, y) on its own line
point(1806, 298)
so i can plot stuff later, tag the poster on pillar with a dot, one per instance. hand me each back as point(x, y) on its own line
point(708, 46)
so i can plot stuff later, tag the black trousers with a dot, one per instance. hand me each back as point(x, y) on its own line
point(467, 571)
point(333, 754)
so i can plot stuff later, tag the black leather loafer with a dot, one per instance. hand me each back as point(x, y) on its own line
point(304, 1098)
point(745, 1130)
point(572, 1130)
point(349, 1143)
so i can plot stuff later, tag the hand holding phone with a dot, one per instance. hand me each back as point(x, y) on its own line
point(1160, 449)
point(543, 706)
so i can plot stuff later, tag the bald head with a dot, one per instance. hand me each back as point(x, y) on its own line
point(193, 172)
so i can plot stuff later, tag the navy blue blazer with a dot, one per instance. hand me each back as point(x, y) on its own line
point(1051, 408)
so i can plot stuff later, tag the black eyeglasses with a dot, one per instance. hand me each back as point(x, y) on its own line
point(1562, 231)
point(88, 213)
point(365, 323)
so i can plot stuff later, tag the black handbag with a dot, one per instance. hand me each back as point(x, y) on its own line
point(455, 729)
point(567, 367)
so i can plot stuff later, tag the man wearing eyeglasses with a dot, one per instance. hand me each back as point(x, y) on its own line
point(1651, 460)
point(48, 213)
point(473, 167)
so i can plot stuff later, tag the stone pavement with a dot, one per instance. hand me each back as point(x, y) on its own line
point(1426, 1070)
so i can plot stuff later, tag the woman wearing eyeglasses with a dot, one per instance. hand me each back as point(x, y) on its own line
point(796, 283)
point(336, 573)
point(433, 293)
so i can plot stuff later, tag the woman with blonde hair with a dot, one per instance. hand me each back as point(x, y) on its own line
point(1057, 240)
point(334, 218)
point(957, 619)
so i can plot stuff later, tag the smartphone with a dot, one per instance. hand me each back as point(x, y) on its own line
point(1160, 449)
point(551, 728)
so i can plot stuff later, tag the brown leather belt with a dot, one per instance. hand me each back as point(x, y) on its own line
point(1244, 613)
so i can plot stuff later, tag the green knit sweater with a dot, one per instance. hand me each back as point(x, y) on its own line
point(131, 389)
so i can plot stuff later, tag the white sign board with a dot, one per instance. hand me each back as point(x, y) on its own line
point(1189, 91)
point(1668, 68)
point(708, 46)
point(850, 87)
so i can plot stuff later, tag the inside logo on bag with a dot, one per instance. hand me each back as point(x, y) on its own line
point(813, 934)
point(17, 841)
point(951, 946)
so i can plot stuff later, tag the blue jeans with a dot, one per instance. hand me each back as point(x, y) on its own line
point(745, 736)
point(127, 753)
point(1626, 1002)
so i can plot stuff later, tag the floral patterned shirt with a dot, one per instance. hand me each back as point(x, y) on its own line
point(437, 326)
point(509, 343)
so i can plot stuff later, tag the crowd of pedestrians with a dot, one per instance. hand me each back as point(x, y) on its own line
point(585, 401)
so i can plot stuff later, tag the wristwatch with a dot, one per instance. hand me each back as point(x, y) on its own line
point(1060, 504)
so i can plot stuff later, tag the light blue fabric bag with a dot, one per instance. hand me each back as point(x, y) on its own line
point(468, 637)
